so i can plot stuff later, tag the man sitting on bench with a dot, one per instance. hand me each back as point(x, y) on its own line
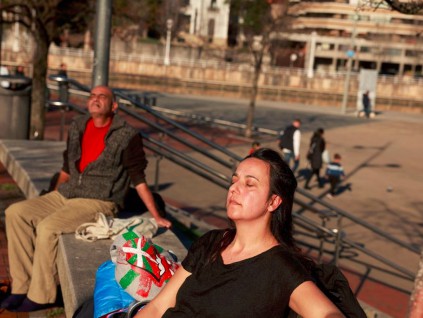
point(103, 155)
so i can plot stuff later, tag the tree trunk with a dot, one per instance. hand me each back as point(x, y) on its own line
point(39, 87)
point(252, 105)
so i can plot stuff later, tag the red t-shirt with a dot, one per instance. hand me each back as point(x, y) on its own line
point(93, 143)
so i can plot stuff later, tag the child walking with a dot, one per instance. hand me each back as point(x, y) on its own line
point(334, 172)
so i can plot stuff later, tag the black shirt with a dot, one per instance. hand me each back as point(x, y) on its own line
point(255, 287)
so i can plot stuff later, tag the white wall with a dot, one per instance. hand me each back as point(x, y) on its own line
point(202, 12)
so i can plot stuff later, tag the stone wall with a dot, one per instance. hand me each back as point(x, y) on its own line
point(214, 77)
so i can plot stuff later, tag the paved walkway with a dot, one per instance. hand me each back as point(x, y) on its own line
point(381, 157)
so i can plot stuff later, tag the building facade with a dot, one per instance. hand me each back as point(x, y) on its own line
point(374, 38)
point(207, 19)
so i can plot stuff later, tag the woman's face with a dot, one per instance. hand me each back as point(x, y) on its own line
point(248, 195)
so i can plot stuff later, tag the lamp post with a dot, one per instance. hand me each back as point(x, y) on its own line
point(241, 37)
point(103, 24)
point(350, 55)
point(312, 49)
point(169, 24)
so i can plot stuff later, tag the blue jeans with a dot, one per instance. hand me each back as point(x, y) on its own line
point(288, 156)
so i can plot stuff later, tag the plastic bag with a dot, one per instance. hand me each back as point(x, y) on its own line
point(142, 268)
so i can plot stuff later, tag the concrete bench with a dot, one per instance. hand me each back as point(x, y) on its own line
point(32, 164)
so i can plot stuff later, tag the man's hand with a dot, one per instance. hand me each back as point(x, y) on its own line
point(162, 222)
point(147, 197)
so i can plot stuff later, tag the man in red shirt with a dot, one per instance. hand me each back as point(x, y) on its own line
point(103, 156)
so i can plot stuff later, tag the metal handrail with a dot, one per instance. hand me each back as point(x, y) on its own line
point(185, 142)
point(162, 146)
point(356, 220)
point(335, 234)
point(214, 121)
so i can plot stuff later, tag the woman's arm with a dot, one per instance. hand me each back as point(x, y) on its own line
point(167, 296)
point(307, 300)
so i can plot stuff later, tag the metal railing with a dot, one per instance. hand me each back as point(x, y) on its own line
point(321, 234)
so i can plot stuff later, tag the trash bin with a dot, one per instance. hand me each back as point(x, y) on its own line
point(15, 108)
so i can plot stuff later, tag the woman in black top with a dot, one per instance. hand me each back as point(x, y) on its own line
point(253, 269)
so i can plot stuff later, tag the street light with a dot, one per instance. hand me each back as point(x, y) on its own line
point(169, 24)
point(350, 54)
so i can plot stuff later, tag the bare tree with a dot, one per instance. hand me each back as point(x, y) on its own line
point(45, 20)
point(406, 7)
point(260, 21)
point(148, 15)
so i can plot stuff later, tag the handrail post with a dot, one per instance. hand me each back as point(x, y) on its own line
point(322, 240)
point(157, 171)
point(62, 122)
point(338, 238)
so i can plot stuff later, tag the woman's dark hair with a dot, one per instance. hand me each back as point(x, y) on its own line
point(318, 133)
point(283, 184)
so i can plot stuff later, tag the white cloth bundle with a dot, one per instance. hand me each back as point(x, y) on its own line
point(109, 227)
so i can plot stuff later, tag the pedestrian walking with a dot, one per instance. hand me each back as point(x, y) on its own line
point(367, 107)
point(289, 143)
point(314, 156)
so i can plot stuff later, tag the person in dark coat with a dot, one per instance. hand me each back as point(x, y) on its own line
point(366, 104)
point(314, 156)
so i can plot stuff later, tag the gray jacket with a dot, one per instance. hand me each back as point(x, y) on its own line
point(106, 178)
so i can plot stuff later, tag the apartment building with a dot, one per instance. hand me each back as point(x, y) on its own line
point(326, 34)
point(331, 32)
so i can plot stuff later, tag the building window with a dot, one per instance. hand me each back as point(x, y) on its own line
point(213, 5)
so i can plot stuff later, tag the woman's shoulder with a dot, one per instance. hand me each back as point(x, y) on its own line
point(291, 260)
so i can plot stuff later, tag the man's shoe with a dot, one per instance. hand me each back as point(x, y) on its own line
point(13, 301)
point(28, 305)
